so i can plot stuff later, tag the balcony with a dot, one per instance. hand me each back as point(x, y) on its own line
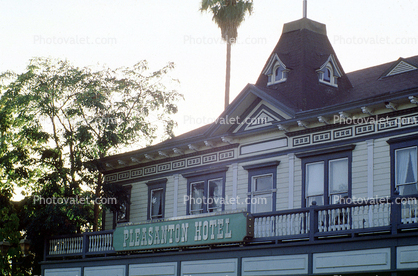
point(376, 216)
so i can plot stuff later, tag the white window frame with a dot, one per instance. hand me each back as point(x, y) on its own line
point(219, 208)
point(254, 193)
point(330, 194)
point(307, 180)
point(332, 78)
point(160, 216)
point(396, 167)
point(272, 77)
point(198, 211)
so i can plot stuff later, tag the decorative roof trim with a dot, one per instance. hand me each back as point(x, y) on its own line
point(401, 67)
point(336, 70)
point(325, 151)
point(262, 165)
point(398, 67)
point(270, 65)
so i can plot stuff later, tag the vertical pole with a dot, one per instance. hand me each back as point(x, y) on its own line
point(85, 245)
point(305, 8)
point(228, 71)
point(313, 221)
point(395, 214)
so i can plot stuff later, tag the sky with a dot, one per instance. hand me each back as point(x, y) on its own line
point(121, 33)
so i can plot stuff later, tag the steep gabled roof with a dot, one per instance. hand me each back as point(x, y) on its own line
point(369, 83)
point(304, 47)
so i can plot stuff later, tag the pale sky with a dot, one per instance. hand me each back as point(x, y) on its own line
point(123, 32)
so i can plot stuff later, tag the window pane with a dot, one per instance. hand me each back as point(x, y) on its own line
point(315, 183)
point(156, 203)
point(338, 176)
point(215, 195)
point(408, 189)
point(318, 199)
point(315, 179)
point(327, 75)
point(261, 203)
point(406, 166)
point(339, 198)
point(196, 200)
point(122, 214)
point(278, 73)
point(263, 183)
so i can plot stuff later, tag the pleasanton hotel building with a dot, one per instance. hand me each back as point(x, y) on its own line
point(316, 176)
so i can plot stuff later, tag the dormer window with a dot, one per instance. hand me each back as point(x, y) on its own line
point(276, 71)
point(329, 72)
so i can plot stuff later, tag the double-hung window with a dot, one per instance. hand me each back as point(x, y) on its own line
point(206, 191)
point(156, 199)
point(326, 176)
point(262, 187)
point(404, 164)
point(406, 170)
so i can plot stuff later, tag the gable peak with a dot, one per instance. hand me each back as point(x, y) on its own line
point(399, 67)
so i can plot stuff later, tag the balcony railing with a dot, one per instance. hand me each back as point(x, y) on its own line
point(90, 243)
point(376, 215)
point(373, 216)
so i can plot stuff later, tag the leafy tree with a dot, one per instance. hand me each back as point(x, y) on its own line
point(12, 262)
point(60, 118)
point(228, 15)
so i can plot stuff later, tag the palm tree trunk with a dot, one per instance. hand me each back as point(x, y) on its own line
point(228, 72)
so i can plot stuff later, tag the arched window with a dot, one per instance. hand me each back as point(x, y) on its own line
point(276, 71)
point(327, 75)
point(278, 75)
point(329, 72)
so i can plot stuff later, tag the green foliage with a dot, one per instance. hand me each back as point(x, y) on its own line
point(228, 15)
point(12, 262)
point(56, 119)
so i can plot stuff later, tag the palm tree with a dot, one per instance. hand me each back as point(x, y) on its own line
point(228, 15)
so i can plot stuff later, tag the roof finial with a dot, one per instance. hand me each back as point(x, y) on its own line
point(305, 8)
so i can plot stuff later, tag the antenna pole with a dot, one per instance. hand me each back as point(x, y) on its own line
point(305, 8)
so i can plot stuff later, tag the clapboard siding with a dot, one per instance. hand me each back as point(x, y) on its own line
point(242, 187)
point(229, 187)
point(169, 197)
point(359, 170)
point(282, 195)
point(182, 191)
point(381, 185)
point(139, 202)
point(297, 190)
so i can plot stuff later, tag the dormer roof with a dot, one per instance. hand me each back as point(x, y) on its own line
point(305, 48)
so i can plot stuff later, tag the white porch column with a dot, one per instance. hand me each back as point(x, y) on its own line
point(176, 193)
point(370, 168)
